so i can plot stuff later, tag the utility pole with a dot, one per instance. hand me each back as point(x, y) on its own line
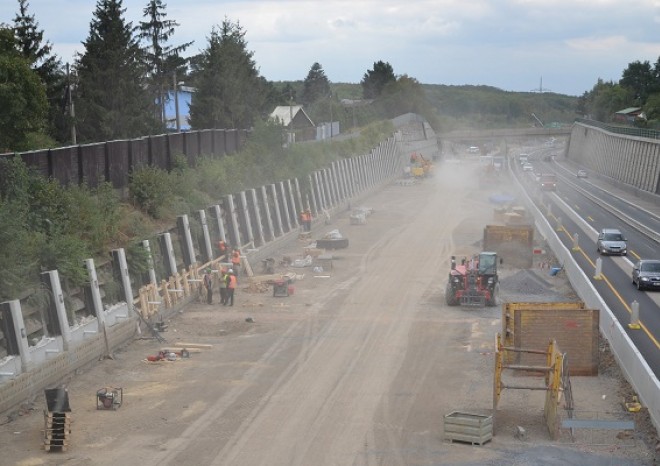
point(72, 111)
point(176, 103)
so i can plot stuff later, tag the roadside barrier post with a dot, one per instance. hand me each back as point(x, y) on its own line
point(634, 316)
point(599, 269)
point(576, 245)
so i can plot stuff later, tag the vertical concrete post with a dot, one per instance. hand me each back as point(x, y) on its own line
point(312, 190)
point(246, 216)
point(344, 179)
point(20, 333)
point(319, 189)
point(189, 256)
point(326, 187)
point(292, 201)
point(119, 256)
point(217, 210)
point(150, 260)
point(168, 254)
point(296, 186)
point(253, 201)
point(208, 249)
point(231, 207)
point(279, 228)
point(266, 208)
point(58, 302)
point(352, 176)
point(335, 182)
point(96, 293)
point(285, 207)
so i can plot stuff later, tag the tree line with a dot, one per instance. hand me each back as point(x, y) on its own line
point(639, 86)
point(118, 85)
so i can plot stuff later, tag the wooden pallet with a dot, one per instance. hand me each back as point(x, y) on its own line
point(57, 429)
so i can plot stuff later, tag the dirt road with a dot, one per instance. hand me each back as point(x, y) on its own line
point(357, 367)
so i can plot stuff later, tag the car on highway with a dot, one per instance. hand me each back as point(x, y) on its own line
point(646, 274)
point(612, 241)
point(528, 167)
point(581, 174)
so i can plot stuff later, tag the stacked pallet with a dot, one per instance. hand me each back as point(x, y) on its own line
point(57, 429)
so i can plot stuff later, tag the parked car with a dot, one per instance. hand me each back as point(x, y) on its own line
point(581, 174)
point(612, 241)
point(646, 274)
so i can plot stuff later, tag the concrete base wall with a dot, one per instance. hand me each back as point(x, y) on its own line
point(633, 161)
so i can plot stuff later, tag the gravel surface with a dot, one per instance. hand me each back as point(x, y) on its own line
point(358, 367)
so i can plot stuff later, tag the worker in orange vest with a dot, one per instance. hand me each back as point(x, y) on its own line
point(231, 287)
point(222, 247)
point(236, 261)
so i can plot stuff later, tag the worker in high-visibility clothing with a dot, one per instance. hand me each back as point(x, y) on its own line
point(231, 287)
point(236, 261)
point(222, 248)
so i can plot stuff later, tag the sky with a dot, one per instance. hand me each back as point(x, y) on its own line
point(562, 46)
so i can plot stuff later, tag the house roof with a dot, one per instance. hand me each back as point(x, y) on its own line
point(286, 113)
point(629, 110)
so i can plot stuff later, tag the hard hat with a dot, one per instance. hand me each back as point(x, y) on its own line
point(230, 271)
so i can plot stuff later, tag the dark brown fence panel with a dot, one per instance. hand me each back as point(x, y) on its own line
point(158, 155)
point(219, 142)
point(38, 161)
point(206, 142)
point(175, 141)
point(92, 159)
point(231, 143)
point(139, 153)
point(117, 160)
point(64, 163)
point(191, 147)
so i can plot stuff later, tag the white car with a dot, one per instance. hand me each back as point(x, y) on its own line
point(528, 167)
point(581, 174)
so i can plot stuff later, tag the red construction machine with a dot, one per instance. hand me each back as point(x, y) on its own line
point(473, 282)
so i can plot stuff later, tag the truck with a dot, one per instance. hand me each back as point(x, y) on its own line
point(548, 181)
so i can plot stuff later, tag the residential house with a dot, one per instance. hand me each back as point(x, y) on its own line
point(298, 124)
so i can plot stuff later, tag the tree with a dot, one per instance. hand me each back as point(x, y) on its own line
point(112, 102)
point(22, 97)
point(315, 85)
point(640, 79)
point(375, 80)
point(39, 54)
point(229, 92)
point(163, 61)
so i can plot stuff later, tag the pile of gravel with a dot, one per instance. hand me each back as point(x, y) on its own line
point(528, 286)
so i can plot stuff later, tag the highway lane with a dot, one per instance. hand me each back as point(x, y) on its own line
point(614, 283)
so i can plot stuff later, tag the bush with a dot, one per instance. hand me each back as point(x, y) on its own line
point(149, 189)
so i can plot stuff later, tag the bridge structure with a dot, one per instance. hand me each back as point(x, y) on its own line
point(473, 135)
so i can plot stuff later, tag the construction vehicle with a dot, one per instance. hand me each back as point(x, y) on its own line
point(474, 282)
point(419, 166)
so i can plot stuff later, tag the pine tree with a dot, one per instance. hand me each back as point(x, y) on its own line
point(316, 85)
point(112, 102)
point(375, 80)
point(39, 54)
point(163, 61)
point(23, 101)
point(229, 92)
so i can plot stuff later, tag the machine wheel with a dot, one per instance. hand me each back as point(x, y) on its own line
point(450, 297)
point(639, 285)
point(494, 296)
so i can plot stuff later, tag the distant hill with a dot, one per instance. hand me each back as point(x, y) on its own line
point(490, 107)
